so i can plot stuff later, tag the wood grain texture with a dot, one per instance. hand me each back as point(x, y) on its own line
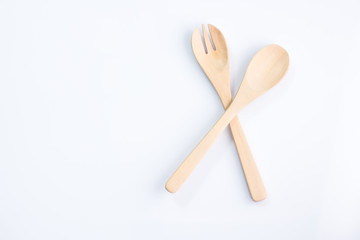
point(265, 70)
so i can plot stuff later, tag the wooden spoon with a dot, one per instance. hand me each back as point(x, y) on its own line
point(215, 63)
point(265, 70)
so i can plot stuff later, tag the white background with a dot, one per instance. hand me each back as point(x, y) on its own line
point(100, 101)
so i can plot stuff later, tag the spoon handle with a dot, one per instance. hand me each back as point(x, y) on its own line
point(189, 164)
point(252, 175)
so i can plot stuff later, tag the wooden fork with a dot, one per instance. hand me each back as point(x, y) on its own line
point(215, 63)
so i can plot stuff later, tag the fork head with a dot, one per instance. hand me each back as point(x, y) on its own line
point(213, 60)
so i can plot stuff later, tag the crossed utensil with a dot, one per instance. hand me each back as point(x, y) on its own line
point(265, 70)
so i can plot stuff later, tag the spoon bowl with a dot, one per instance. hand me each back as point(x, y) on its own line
point(273, 61)
point(265, 70)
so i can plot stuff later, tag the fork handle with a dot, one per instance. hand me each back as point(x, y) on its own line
point(252, 175)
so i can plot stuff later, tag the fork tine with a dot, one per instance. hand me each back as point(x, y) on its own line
point(208, 45)
point(197, 43)
point(216, 36)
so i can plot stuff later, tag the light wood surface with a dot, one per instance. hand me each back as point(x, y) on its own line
point(266, 69)
point(215, 64)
